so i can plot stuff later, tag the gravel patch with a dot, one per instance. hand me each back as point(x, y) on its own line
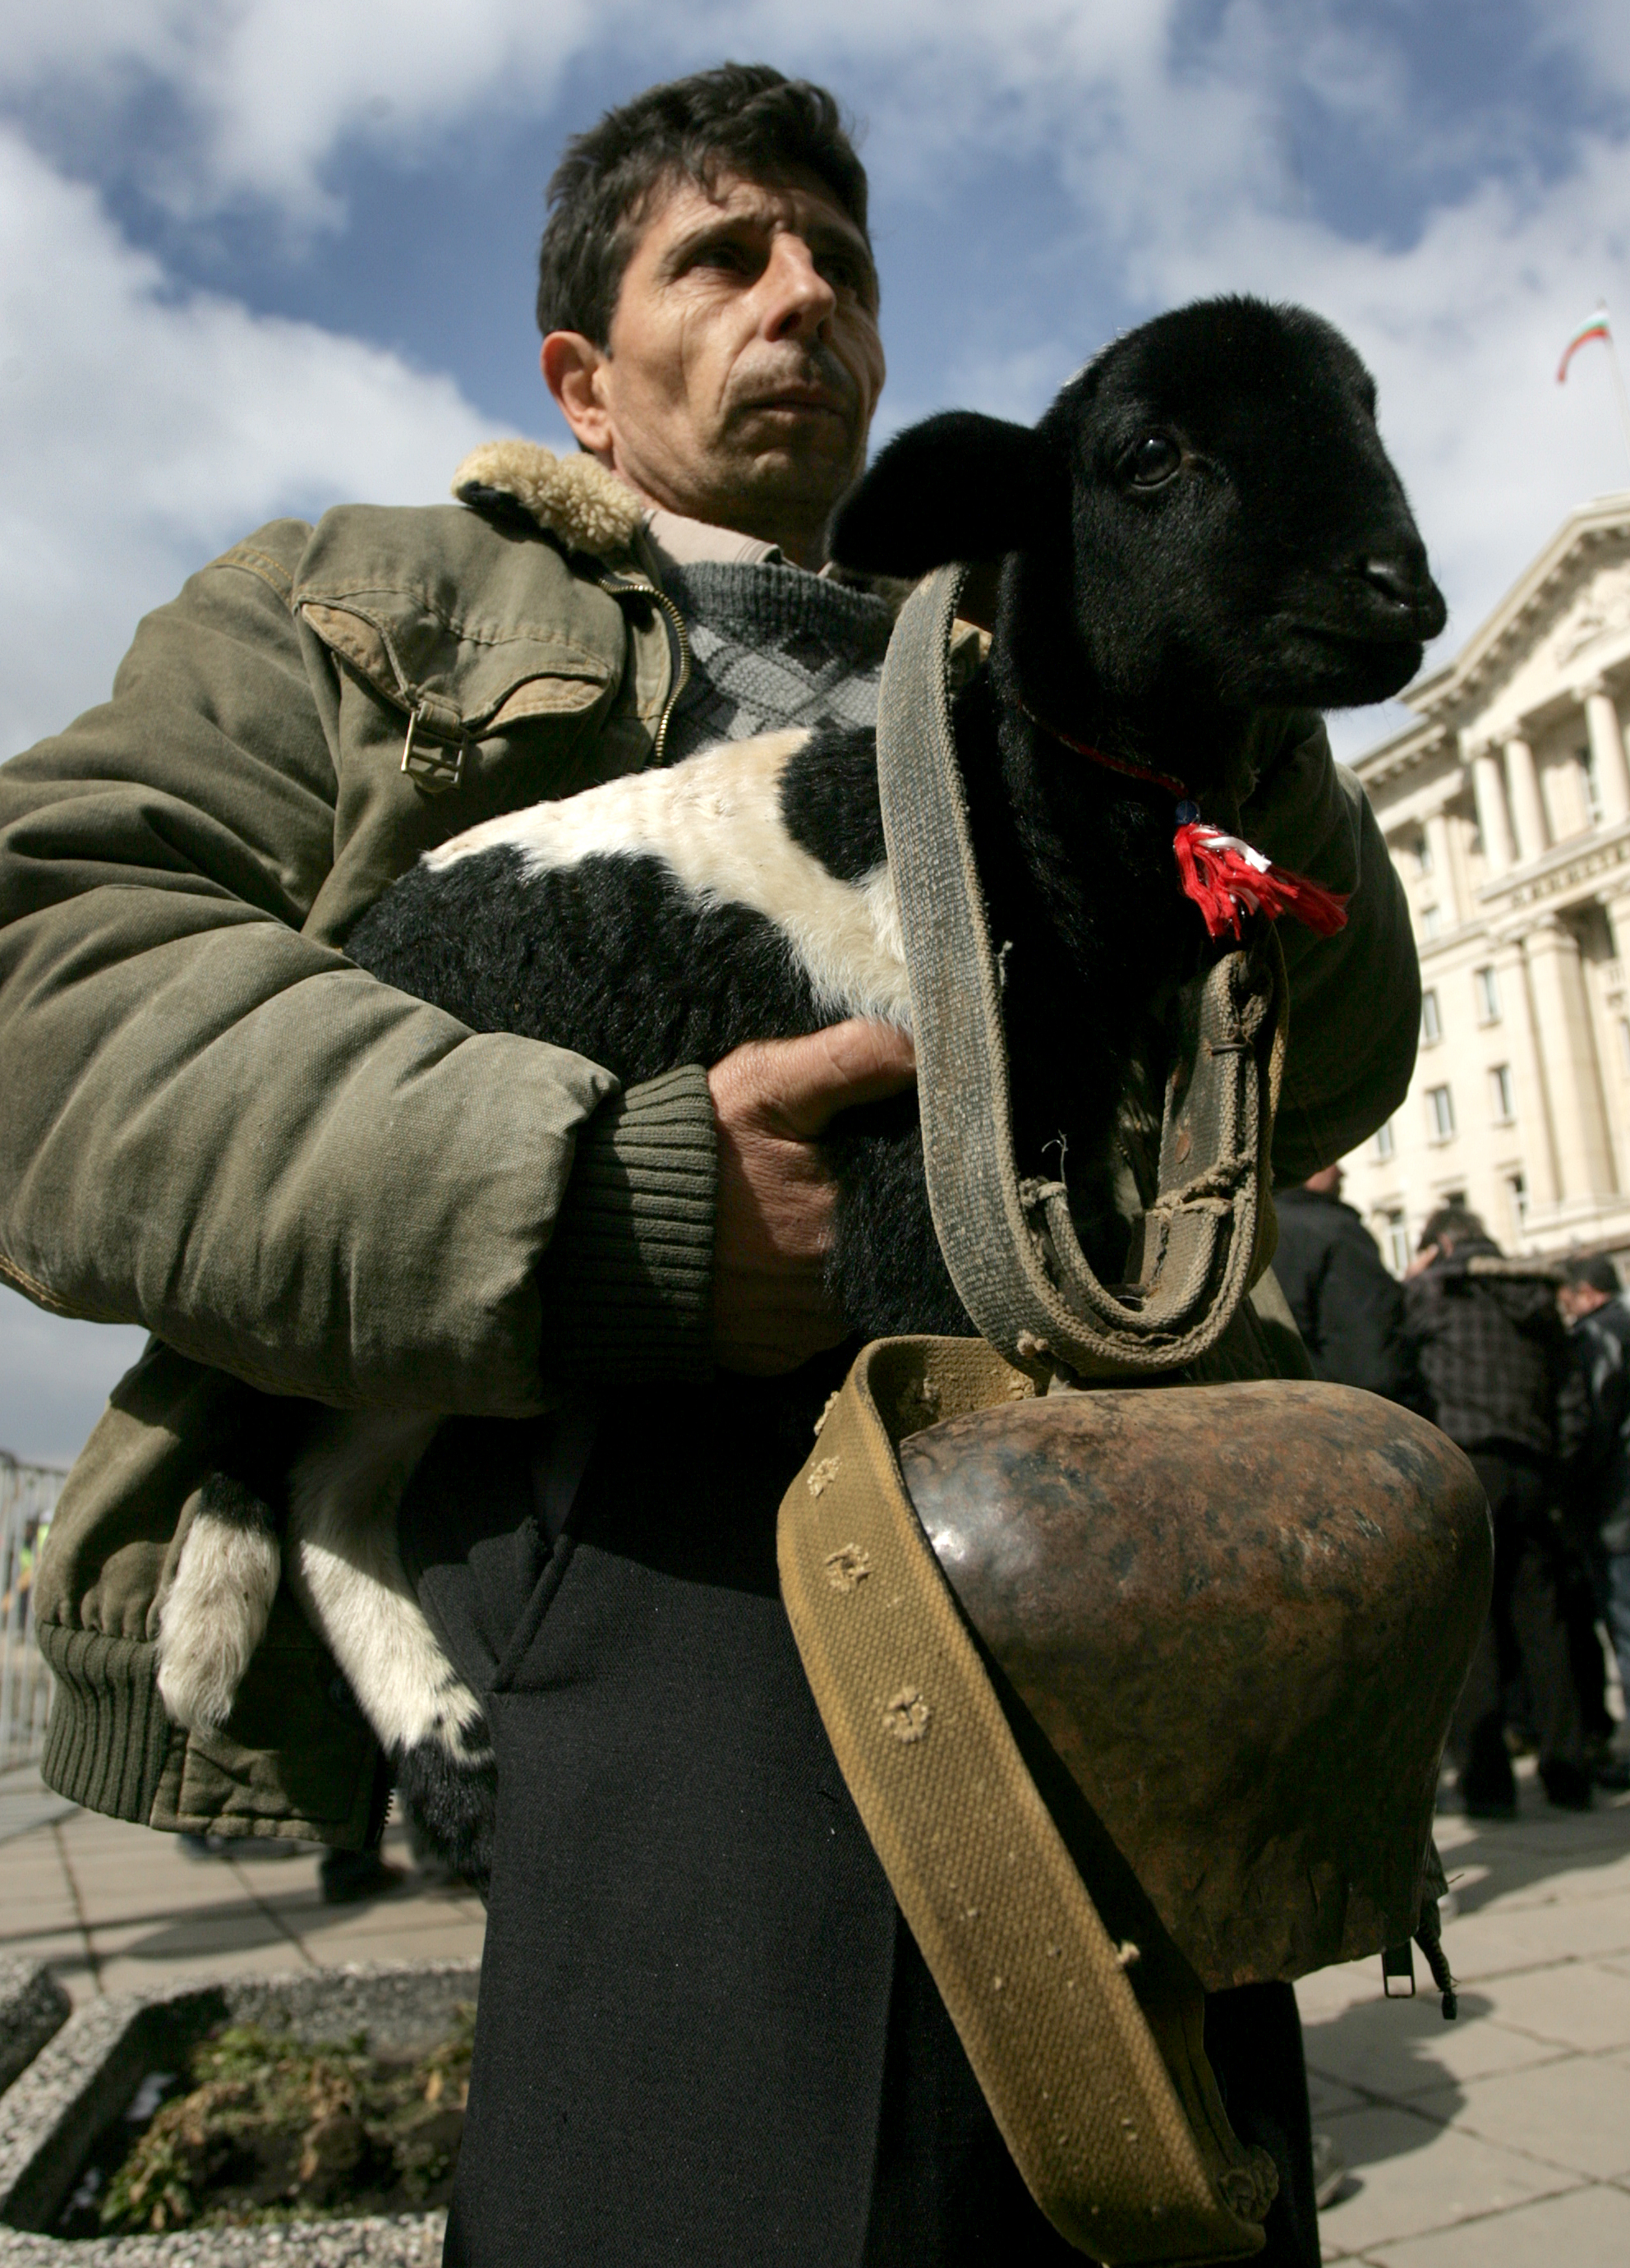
point(33, 2007)
point(404, 2240)
point(85, 2076)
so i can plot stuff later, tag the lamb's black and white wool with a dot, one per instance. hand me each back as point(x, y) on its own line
point(1203, 527)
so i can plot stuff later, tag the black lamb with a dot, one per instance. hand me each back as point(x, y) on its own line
point(1202, 533)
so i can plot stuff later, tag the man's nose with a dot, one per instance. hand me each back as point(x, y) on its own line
point(799, 299)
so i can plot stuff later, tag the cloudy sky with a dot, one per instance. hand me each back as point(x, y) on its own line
point(259, 255)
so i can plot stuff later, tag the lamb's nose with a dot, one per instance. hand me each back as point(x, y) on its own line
point(1402, 580)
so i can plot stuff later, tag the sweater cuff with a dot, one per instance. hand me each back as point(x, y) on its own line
point(628, 1279)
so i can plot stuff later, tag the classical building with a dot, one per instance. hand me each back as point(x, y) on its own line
point(1506, 810)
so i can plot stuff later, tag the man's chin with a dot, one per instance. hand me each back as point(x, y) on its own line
point(807, 480)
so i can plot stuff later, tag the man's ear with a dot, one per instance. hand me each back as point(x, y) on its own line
point(959, 486)
point(571, 365)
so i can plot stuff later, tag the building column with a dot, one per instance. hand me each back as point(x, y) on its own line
point(1494, 822)
point(1615, 1064)
point(1527, 807)
point(1444, 867)
point(1584, 1154)
point(1533, 1115)
point(1607, 754)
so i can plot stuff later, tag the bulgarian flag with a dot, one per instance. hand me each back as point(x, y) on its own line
point(1596, 328)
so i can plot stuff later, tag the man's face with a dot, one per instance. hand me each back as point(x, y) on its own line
point(744, 361)
point(1577, 1299)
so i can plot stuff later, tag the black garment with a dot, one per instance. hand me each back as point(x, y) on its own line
point(1348, 1309)
point(1526, 1635)
point(1596, 1467)
point(1491, 1349)
point(704, 2037)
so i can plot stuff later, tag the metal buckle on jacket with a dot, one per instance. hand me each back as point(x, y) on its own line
point(433, 768)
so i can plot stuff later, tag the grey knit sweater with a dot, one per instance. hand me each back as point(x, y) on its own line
point(773, 646)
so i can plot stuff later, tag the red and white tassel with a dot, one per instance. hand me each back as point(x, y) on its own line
point(1223, 875)
point(1226, 878)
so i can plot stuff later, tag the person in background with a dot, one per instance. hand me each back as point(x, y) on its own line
point(1348, 1309)
point(1596, 1475)
point(1501, 1380)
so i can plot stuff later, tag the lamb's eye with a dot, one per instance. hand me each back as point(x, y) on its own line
point(1153, 460)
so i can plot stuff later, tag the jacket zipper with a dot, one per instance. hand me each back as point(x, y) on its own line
point(619, 584)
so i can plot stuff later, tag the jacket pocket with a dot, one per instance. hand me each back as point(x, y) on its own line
point(450, 686)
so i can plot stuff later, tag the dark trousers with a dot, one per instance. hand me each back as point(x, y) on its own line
point(1526, 1634)
point(705, 2037)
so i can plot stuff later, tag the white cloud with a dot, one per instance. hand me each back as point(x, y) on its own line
point(146, 433)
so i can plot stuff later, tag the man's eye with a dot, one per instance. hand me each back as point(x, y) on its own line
point(1153, 460)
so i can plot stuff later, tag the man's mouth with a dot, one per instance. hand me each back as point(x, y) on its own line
point(804, 401)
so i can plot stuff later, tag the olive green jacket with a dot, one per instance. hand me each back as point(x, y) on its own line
point(310, 1187)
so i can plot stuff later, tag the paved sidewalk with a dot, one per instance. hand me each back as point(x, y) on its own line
point(1502, 2141)
point(112, 1907)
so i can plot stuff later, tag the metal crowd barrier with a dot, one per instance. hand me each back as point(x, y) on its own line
point(28, 1495)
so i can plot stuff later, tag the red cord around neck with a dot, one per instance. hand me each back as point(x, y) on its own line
point(1111, 764)
point(1220, 873)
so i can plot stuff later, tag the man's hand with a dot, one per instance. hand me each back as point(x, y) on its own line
point(772, 1101)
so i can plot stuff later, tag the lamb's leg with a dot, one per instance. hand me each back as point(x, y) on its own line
point(214, 1613)
point(346, 1570)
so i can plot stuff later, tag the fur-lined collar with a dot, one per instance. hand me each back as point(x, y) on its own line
point(572, 498)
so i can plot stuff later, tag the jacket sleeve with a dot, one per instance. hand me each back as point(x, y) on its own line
point(1354, 998)
point(224, 1130)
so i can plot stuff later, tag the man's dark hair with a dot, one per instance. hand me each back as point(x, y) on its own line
point(1455, 1222)
point(1598, 1271)
point(742, 118)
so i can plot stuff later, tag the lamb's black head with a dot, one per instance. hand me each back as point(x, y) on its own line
point(1205, 518)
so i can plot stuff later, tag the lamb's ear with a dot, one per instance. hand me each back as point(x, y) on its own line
point(959, 486)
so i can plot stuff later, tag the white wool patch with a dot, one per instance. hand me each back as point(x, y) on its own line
point(344, 1567)
point(213, 1617)
point(715, 822)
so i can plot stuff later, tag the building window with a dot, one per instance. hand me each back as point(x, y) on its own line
point(1501, 1098)
point(1486, 983)
point(1395, 1231)
point(1385, 1144)
point(1624, 1042)
point(1423, 854)
point(1440, 1113)
point(1431, 921)
point(1593, 783)
point(1516, 1191)
point(1431, 1022)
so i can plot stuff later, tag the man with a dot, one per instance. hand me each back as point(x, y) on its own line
point(1348, 1309)
point(1598, 1472)
point(1495, 1365)
point(704, 2033)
